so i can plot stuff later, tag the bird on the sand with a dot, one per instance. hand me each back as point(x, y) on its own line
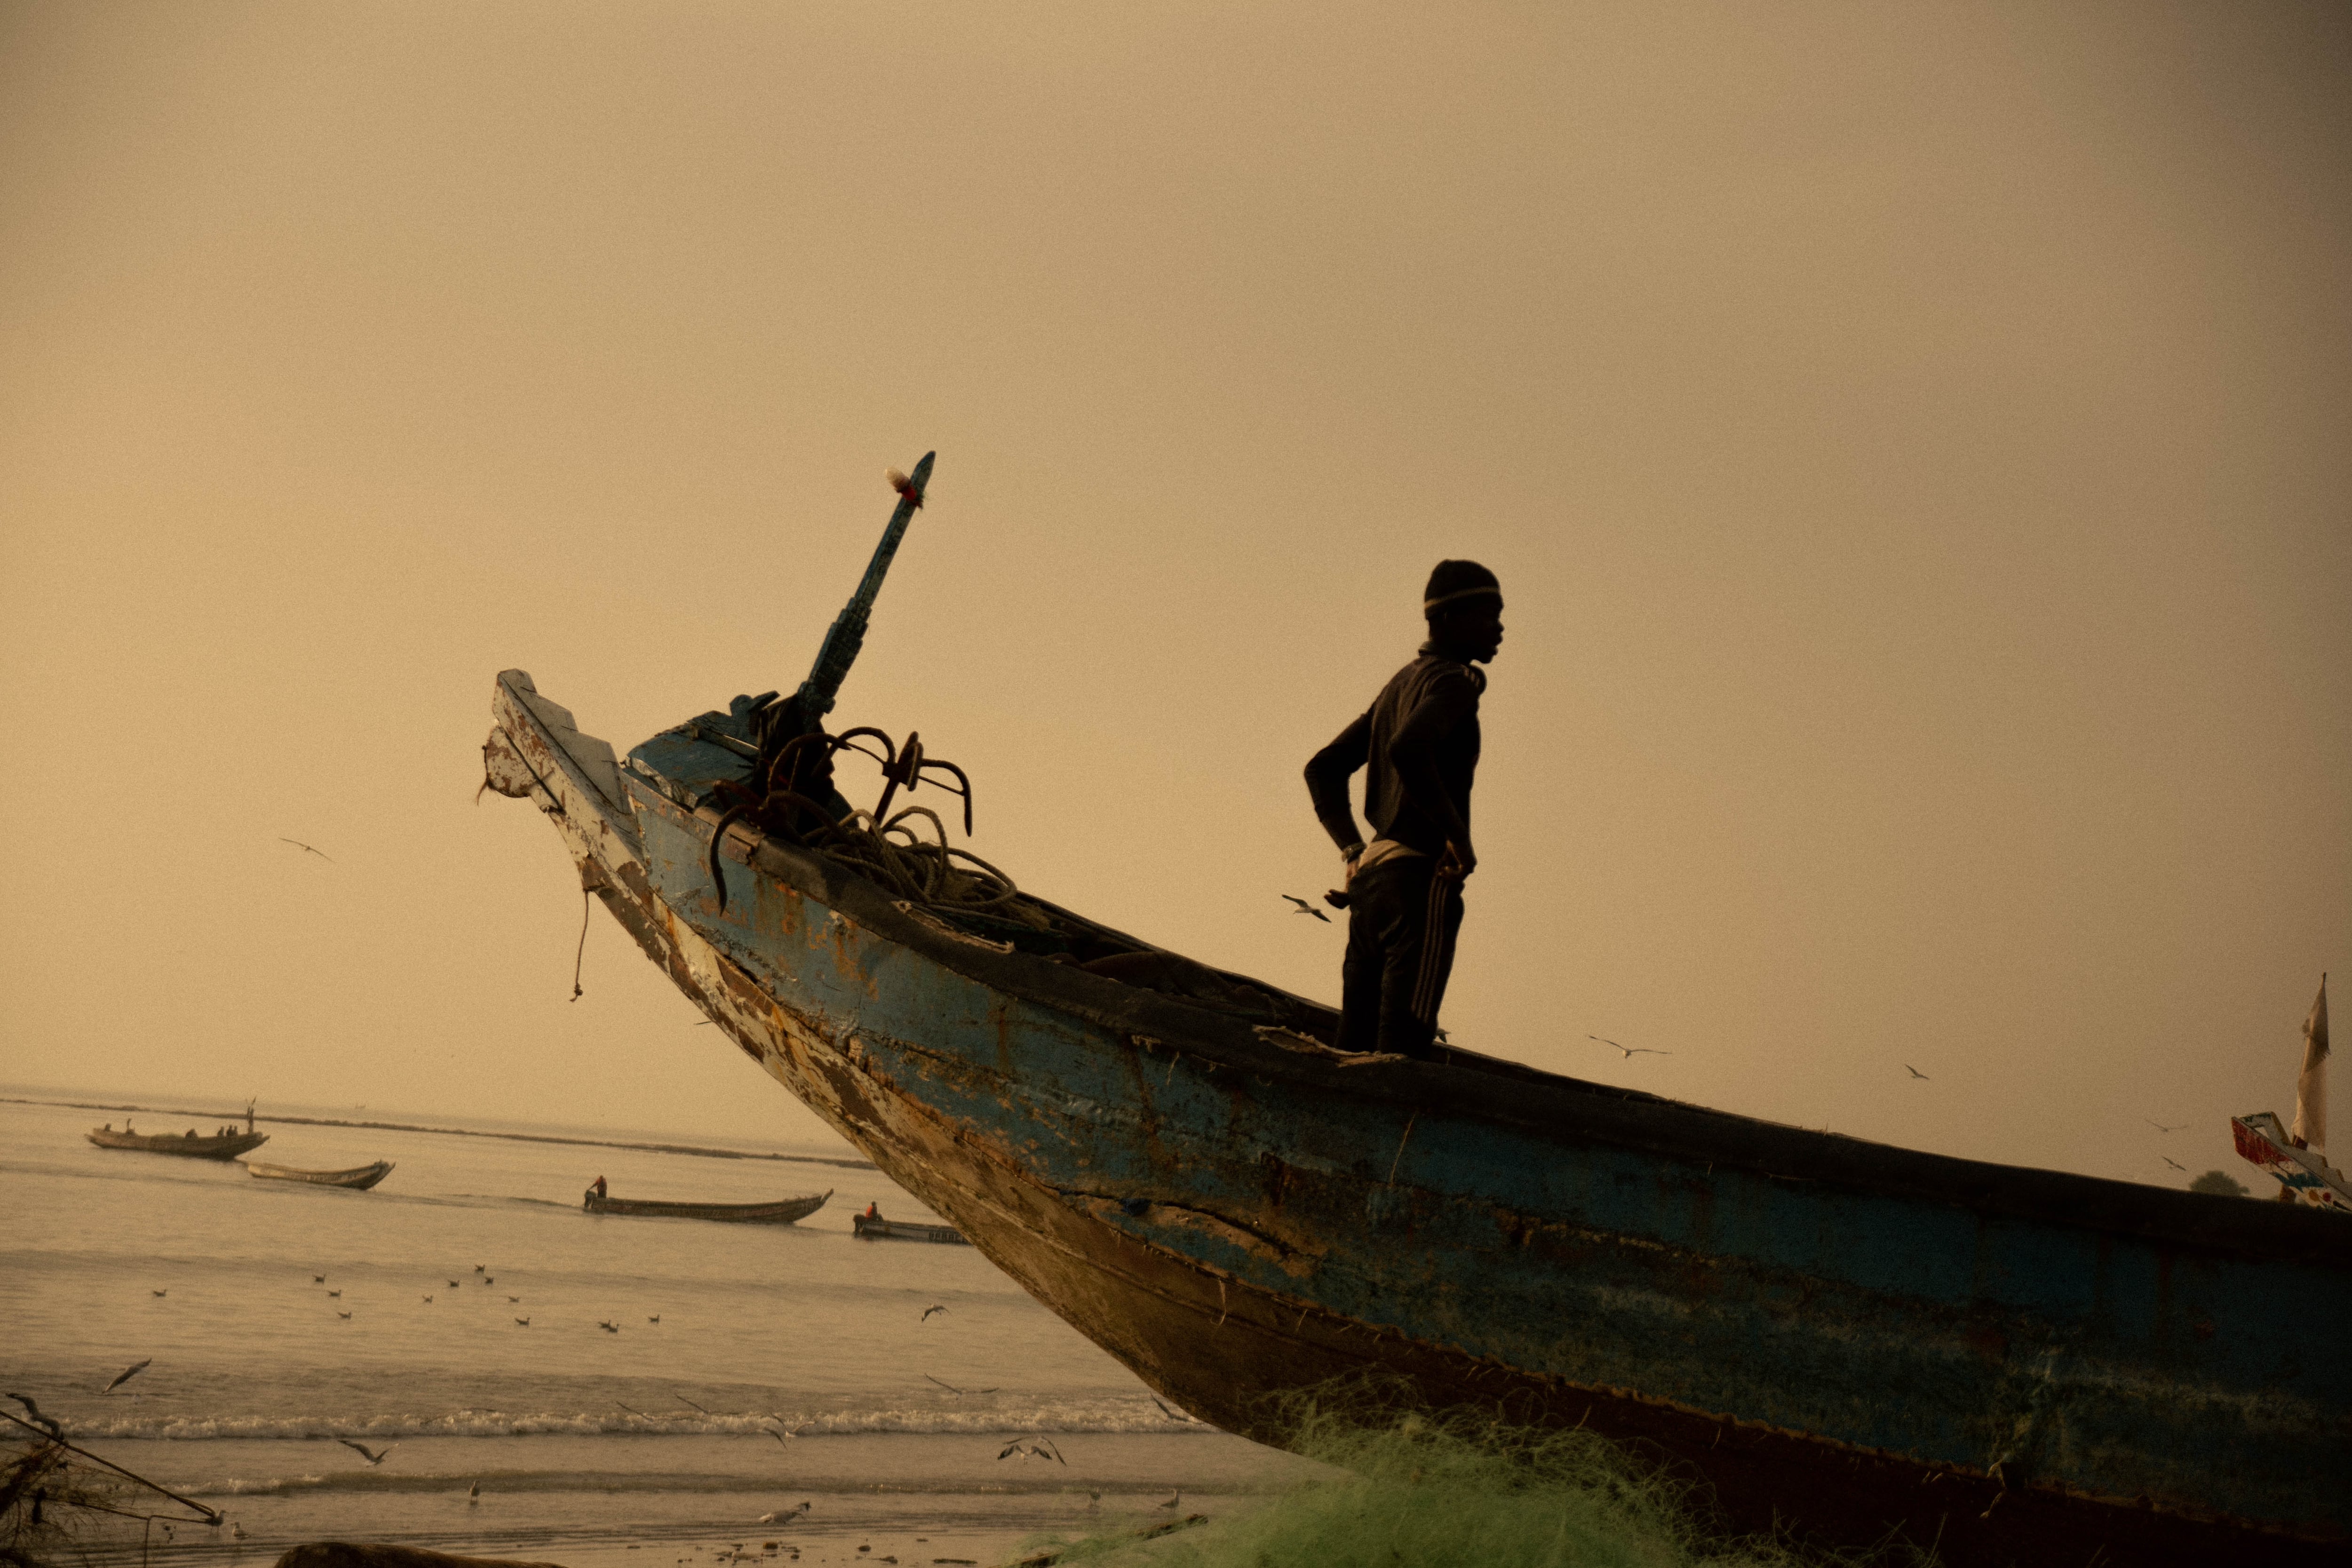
point(487, 1280)
point(34, 1411)
point(1032, 1448)
point(1093, 1503)
point(524, 1321)
point(951, 1388)
point(1915, 1072)
point(428, 1300)
point(654, 1319)
point(127, 1373)
point(514, 1299)
point(317, 1279)
point(159, 1292)
point(365, 1452)
point(305, 847)
point(479, 1267)
point(1174, 1498)
point(2174, 1164)
point(1307, 909)
point(453, 1285)
point(338, 1295)
point(474, 1493)
point(928, 1311)
point(609, 1328)
point(781, 1515)
point(2160, 1127)
point(342, 1314)
point(1630, 1051)
point(236, 1531)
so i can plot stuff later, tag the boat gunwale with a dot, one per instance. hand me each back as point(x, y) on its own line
point(1547, 1105)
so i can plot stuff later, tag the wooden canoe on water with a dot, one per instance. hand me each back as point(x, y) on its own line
point(781, 1213)
point(906, 1230)
point(224, 1146)
point(1851, 1343)
point(359, 1178)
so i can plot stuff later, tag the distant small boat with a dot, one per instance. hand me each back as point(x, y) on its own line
point(903, 1230)
point(784, 1213)
point(359, 1178)
point(224, 1146)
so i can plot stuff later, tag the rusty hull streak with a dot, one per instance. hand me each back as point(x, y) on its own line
point(1197, 1296)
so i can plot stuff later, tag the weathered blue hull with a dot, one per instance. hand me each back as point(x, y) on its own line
point(1849, 1339)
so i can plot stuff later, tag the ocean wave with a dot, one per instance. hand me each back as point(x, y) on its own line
point(1079, 1417)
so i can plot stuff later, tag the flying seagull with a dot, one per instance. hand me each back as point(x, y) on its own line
point(951, 1388)
point(39, 1420)
point(1307, 909)
point(362, 1450)
point(787, 1434)
point(1915, 1072)
point(1173, 1415)
point(1034, 1449)
point(305, 847)
point(127, 1373)
point(2160, 1127)
point(1630, 1051)
point(928, 1311)
point(2174, 1164)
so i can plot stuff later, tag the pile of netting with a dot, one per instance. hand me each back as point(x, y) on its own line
point(1437, 1490)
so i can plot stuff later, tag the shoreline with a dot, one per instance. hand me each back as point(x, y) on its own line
point(701, 1150)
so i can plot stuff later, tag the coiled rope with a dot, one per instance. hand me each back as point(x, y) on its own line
point(921, 870)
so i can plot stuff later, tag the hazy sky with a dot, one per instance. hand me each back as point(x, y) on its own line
point(1915, 443)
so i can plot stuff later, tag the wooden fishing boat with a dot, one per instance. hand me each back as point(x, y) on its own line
point(189, 1145)
point(1845, 1341)
point(783, 1213)
point(359, 1178)
point(906, 1230)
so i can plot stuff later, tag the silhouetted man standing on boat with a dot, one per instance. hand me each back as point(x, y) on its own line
point(1419, 743)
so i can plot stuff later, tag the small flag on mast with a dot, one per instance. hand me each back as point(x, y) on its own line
point(2311, 1084)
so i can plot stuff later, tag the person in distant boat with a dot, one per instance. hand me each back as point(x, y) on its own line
point(1418, 744)
point(596, 1191)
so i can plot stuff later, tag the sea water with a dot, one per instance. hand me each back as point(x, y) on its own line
point(281, 1317)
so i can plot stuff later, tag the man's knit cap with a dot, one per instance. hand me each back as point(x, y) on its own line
point(1456, 584)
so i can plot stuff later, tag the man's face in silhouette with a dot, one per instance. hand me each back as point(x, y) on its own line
point(1475, 630)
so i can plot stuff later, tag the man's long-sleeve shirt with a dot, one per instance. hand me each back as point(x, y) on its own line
point(1437, 697)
